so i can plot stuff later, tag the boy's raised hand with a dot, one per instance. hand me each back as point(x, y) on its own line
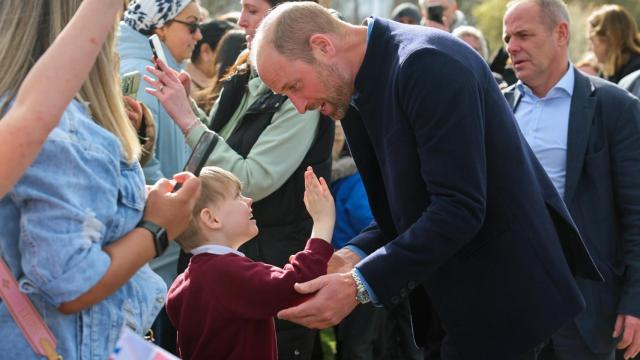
point(319, 203)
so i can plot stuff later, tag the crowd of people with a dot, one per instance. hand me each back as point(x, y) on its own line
point(390, 180)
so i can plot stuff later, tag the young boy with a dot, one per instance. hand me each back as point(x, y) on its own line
point(224, 303)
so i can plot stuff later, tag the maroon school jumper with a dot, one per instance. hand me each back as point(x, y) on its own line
point(223, 305)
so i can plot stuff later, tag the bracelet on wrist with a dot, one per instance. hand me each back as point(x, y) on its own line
point(191, 126)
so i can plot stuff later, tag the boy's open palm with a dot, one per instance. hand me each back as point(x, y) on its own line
point(319, 203)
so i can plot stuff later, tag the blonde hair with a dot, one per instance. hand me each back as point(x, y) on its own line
point(466, 30)
point(216, 185)
point(615, 24)
point(28, 28)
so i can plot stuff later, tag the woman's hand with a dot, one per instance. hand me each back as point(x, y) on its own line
point(134, 112)
point(172, 211)
point(170, 90)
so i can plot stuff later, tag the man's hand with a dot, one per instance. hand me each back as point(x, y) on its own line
point(342, 261)
point(335, 299)
point(629, 327)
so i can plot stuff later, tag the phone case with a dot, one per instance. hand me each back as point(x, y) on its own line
point(156, 48)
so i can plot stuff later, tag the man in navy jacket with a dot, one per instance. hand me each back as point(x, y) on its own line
point(586, 133)
point(466, 220)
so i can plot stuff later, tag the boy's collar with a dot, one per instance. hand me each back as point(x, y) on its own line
point(215, 249)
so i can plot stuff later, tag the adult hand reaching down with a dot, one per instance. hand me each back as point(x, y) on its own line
point(335, 298)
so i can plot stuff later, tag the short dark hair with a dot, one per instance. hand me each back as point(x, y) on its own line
point(212, 32)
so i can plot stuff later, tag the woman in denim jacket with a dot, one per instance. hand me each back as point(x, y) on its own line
point(46, 91)
point(69, 231)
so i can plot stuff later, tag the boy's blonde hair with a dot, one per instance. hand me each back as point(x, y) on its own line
point(217, 185)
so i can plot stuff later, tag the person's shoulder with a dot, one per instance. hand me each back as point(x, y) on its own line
point(607, 91)
point(631, 83)
point(132, 46)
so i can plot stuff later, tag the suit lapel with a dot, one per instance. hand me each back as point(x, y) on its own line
point(513, 97)
point(582, 106)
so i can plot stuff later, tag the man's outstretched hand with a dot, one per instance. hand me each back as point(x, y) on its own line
point(335, 298)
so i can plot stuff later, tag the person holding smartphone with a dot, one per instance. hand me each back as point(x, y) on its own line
point(78, 228)
point(267, 144)
point(176, 25)
point(442, 14)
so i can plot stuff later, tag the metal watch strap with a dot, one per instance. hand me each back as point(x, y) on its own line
point(160, 240)
point(362, 295)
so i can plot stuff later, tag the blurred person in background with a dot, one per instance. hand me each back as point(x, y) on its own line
point(202, 68)
point(588, 64)
point(614, 39)
point(406, 13)
point(72, 233)
point(232, 44)
point(177, 25)
point(267, 144)
point(442, 14)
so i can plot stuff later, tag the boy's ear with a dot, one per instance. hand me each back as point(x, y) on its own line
point(209, 220)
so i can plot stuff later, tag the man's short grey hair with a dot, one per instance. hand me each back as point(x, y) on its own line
point(552, 12)
point(288, 28)
point(466, 30)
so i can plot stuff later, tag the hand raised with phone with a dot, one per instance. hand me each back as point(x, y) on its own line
point(168, 86)
point(172, 210)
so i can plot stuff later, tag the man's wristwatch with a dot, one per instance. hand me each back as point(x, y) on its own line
point(160, 239)
point(362, 296)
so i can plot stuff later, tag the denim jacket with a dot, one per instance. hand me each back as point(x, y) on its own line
point(78, 196)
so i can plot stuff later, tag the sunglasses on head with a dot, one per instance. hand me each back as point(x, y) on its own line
point(192, 26)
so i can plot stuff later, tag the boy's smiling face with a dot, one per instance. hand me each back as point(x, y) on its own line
point(236, 217)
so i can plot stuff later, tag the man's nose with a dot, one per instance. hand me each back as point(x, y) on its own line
point(299, 103)
point(512, 47)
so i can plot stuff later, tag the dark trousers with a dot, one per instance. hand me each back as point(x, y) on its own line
point(568, 344)
point(295, 342)
point(448, 352)
point(358, 335)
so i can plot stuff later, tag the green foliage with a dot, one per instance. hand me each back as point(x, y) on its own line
point(488, 17)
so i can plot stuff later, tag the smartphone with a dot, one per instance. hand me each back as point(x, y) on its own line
point(156, 48)
point(435, 13)
point(131, 84)
point(200, 154)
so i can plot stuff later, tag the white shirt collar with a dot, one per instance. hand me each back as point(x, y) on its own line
point(215, 249)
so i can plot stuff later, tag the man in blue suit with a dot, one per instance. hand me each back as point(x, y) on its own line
point(586, 133)
point(466, 221)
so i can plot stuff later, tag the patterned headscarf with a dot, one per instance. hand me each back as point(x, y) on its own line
point(145, 15)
